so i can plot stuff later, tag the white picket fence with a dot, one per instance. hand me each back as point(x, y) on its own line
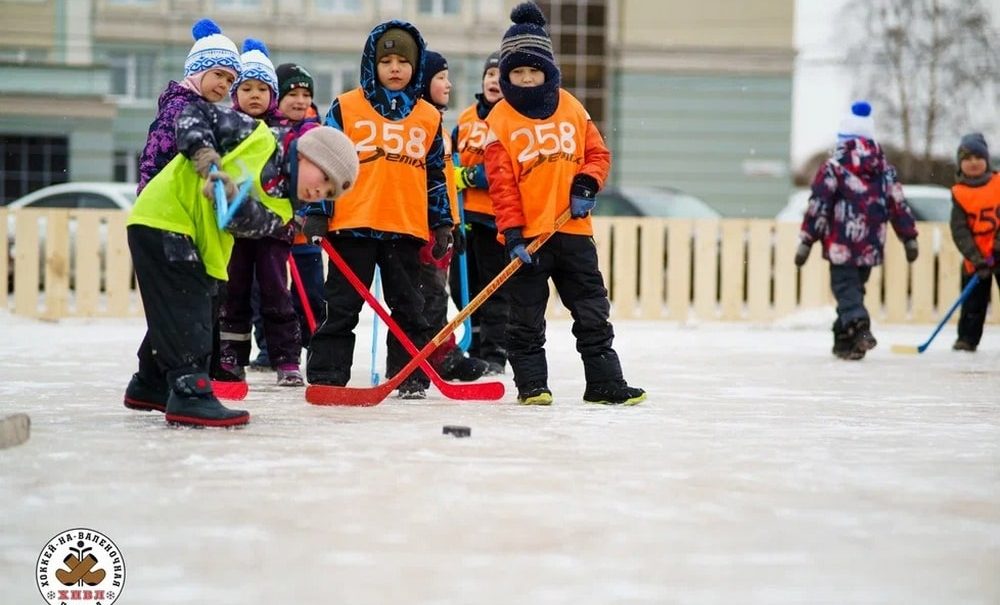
point(659, 269)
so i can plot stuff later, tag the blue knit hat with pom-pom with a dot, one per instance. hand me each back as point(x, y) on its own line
point(527, 44)
point(858, 124)
point(211, 50)
point(257, 65)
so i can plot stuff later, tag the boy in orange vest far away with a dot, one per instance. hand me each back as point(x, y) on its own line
point(400, 200)
point(975, 227)
point(543, 154)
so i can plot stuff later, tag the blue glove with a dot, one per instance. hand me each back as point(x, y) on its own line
point(514, 244)
point(581, 195)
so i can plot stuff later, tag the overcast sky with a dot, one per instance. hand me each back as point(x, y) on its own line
point(823, 87)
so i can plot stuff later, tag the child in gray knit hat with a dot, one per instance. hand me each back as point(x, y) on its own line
point(180, 253)
point(974, 227)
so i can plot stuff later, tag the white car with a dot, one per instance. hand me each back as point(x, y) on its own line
point(928, 202)
point(82, 195)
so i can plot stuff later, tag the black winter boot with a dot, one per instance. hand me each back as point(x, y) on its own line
point(534, 394)
point(140, 395)
point(863, 338)
point(613, 393)
point(192, 403)
point(456, 366)
point(843, 343)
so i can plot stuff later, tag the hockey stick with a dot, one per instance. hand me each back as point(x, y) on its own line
point(358, 396)
point(480, 391)
point(913, 350)
point(378, 293)
point(300, 289)
point(463, 276)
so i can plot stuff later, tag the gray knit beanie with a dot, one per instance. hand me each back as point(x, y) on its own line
point(334, 153)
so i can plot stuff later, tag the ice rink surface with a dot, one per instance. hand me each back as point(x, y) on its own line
point(760, 470)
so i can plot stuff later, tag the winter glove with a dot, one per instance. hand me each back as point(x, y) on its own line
point(204, 159)
point(227, 184)
point(316, 225)
point(442, 241)
point(984, 271)
point(581, 195)
point(460, 240)
point(912, 250)
point(802, 254)
point(514, 244)
point(460, 179)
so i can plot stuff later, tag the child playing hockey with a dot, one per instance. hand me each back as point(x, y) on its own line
point(561, 161)
point(263, 260)
point(432, 281)
point(400, 198)
point(297, 110)
point(485, 257)
point(211, 67)
point(974, 227)
point(180, 254)
point(854, 194)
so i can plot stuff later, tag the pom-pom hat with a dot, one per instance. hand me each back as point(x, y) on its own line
point(211, 50)
point(858, 124)
point(257, 65)
point(526, 43)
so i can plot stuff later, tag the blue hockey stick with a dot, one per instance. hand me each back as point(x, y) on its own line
point(463, 277)
point(377, 282)
point(909, 349)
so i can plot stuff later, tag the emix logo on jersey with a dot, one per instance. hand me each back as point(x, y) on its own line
point(80, 566)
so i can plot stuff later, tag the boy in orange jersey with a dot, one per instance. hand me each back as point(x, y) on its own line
point(543, 154)
point(485, 257)
point(975, 229)
point(400, 200)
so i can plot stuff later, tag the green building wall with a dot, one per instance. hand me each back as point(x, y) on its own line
point(723, 138)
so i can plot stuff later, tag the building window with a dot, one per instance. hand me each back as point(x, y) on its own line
point(133, 75)
point(30, 163)
point(131, 2)
point(237, 4)
point(331, 82)
point(579, 38)
point(338, 7)
point(126, 167)
point(439, 8)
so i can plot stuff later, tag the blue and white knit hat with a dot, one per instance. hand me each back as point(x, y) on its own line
point(211, 49)
point(858, 124)
point(527, 44)
point(257, 65)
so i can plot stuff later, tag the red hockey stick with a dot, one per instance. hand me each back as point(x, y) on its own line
point(301, 290)
point(369, 396)
point(490, 391)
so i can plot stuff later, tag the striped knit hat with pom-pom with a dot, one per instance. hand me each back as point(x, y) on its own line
point(257, 65)
point(526, 43)
point(211, 50)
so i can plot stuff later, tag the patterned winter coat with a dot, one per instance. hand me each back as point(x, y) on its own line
point(161, 144)
point(854, 195)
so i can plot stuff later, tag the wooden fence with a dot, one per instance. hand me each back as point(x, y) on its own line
point(670, 269)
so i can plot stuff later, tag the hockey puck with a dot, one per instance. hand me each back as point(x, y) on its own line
point(15, 429)
point(458, 431)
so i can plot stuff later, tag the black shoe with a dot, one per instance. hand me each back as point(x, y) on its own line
point(456, 366)
point(192, 403)
point(413, 388)
point(863, 338)
point(534, 394)
point(141, 396)
point(613, 393)
point(963, 345)
point(844, 343)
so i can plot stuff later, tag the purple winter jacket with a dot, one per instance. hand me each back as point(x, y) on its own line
point(161, 144)
point(854, 195)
